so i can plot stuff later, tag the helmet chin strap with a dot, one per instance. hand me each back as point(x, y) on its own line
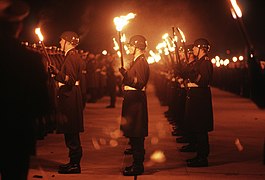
point(134, 51)
point(64, 46)
point(198, 52)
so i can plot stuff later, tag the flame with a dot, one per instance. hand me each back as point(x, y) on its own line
point(116, 46)
point(121, 21)
point(123, 38)
point(38, 32)
point(182, 35)
point(236, 8)
point(104, 52)
point(161, 45)
point(233, 13)
point(165, 36)
point(153, 57)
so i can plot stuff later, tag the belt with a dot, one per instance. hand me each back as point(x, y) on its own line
point(194, 85)
point(129, 88)
point(62, 84)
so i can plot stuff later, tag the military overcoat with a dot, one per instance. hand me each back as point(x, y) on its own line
point(134, 122)
point(198, 108)
point(70, 108)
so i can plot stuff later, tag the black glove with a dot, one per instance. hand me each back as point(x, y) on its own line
point(122, 71)
point(53, 69)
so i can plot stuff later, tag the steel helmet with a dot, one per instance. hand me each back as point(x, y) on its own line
point(138, 41)
point(202, 43)
point(71, 37)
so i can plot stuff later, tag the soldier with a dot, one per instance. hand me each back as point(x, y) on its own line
point(134, 124)
point(198, 109)
point(111, 80)
point(24, 93)
point(70, 106)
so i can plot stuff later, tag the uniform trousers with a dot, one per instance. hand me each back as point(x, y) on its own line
point(201, 141)
point(137, 144)
point(72, 141)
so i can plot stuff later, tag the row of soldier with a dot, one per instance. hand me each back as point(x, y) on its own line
point(184, 86)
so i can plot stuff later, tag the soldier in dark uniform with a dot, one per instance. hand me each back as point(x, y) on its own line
point(186, 67)
point(24, 93)
point(70, 106)
point(111, 80)
point(134, 123)
point(198, 110)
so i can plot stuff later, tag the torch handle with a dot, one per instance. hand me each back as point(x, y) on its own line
point(176, 46)
point(46, 53)
point(184, 45)
point(120, 44)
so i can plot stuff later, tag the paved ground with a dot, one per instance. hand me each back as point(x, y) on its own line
point(235, 118)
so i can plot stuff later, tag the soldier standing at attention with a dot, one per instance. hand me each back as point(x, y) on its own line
point(70, 105)
point(198, 109)
point(134, 123)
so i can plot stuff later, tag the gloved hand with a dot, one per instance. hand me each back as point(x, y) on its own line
point(53, 69)
point(122, 71)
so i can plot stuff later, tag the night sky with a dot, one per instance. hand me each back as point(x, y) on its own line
point(93, 21)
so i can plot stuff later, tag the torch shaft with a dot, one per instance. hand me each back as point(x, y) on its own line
point(245, 35)
point(185, 50)
point(176, 47)
point(46, 53)
point(120, 44)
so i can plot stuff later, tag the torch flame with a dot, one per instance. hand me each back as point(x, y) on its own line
point(121, 21)
point(116, 46)
point(236, 8)
point(182, 35)
point(165, 36)
point(233, 13)
point(123, 38)
point(38, 32)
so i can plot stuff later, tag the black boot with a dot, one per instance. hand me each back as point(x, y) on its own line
point(188, 148)
point(128, 151)
point(70, 169)
point(133, 170)
point(198, 162)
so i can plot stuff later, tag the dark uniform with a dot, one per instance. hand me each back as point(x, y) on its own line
point(24, 94)
point(111, 81)
point(134, 123)
point(134, 109)
point(198, 110)
point(70, 104)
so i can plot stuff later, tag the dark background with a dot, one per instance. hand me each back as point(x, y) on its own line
point(93, 21)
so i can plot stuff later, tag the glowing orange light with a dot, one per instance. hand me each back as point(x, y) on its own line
point(121, 21)
point(158, 156)
point(38, 32)
point(236, 8)
point(182, 35)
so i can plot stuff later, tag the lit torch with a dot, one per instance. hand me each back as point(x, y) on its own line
point(38, 32)
point(183, 40)
point(237, 15)
point(254, 69)
point(120, 22)
point(175, 41)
